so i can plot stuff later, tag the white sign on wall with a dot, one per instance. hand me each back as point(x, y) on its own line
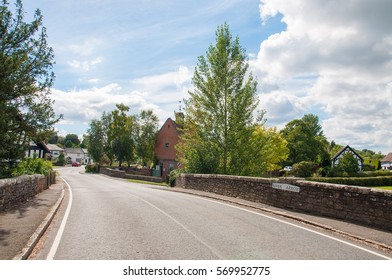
point(285, 187)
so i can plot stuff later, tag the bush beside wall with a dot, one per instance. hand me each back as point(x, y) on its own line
point(357, 181)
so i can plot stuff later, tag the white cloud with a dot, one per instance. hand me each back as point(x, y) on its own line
point(166, 88)
point(160, 93)
point(338, 55)
point(85, 48)
point(81, 106)
point(85, 65)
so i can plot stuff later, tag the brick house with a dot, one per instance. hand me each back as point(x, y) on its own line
point(165, 152)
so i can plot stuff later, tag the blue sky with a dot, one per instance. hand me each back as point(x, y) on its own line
point(327, 57)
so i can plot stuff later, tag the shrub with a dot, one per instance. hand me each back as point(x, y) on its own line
point(173, 175)
point(30, 166)
point(61, 160)
point(357, 181)
point(349, 164)
point(303, 169)
point(92, 168)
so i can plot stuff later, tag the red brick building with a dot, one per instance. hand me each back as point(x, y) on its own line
point(165, 152)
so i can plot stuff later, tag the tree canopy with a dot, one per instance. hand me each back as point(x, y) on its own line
point(219, 115)
point(306, 140)
point(123, 137)
point(26, 76)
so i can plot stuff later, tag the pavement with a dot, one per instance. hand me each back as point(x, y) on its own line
point(22, 226)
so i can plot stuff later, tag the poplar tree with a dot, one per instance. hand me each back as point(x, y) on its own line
point(219, 113)
point(26, 76)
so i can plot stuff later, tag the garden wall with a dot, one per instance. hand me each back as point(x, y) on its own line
point(357, 204)
point(19, 189)
point(122, 174)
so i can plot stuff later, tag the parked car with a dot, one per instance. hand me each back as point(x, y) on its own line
point(77, 164)
point(288, 168)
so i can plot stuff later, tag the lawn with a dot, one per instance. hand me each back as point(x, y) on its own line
point(384, 188)
point(147, 182)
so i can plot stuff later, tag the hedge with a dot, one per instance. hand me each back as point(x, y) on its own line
point(357, 181)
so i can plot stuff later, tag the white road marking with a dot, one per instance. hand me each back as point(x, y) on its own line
point(60, 232)
point(298, 226)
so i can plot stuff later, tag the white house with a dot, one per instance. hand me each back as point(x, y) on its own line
point(55, 151)
point(77, 155)
point(386, 163)
point(347, 149)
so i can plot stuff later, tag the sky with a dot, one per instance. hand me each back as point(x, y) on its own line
point(331, 58)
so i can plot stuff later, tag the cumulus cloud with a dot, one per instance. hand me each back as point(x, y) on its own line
point(81, 106)
point(166, 88)
point(338, 54)
point(85, 65)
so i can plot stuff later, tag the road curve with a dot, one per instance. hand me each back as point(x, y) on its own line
point(114, 219)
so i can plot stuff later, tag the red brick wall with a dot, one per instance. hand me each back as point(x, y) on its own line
point(165, 151)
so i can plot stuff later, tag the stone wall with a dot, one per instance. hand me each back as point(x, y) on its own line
point(122, 174)
point(19, 189)
point(356, 204)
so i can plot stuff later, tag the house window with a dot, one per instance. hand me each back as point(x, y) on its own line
point(166, 145)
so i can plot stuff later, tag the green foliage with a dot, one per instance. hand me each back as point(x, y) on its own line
point(173, 175)
point(219, 112)
point(122, 131)
point(26, 62)
point(267, 150)
point(306, 140)
point(95, 140)
point(370, 164)
point(118, 136)
point(92, 168)
point(71, 140)
point(348, 164)
point(61, 160)
point(357, 181)
point(30, 166)
point(146, 130)
point(68, 144)
point(304, 169)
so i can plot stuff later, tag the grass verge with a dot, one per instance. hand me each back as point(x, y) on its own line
point(384, 188)
point(147, 182)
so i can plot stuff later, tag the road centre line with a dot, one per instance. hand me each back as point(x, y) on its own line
point(297, 226)
point(60, 232)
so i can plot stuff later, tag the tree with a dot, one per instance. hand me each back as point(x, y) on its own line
point(73, 138)
point(26, 76)
point(348, 164)
point(219, 113)
point(267, 151)
point(306, 140)
point(122, 133)
point(147, 127)
point(107, 121)
point(95, 140)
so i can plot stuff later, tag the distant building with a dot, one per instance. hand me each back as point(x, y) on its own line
point(40, 149)
point(165, 152)
point(347, 149)
point(386, 162)
point(77, 155)
point(55, 151)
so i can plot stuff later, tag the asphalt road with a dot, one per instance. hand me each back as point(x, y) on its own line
point(107, 218)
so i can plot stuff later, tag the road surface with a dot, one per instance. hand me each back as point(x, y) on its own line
point(108, 218)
